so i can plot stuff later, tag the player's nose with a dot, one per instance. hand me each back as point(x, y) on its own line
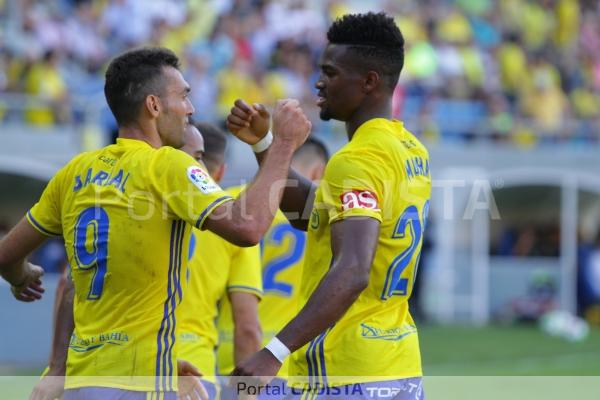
point(190, 108)
point(319, 84)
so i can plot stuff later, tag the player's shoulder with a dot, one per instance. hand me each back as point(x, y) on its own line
point(235, 191)
point(388, 139)
point(79, 161)
point(167, 159)
point(169, 153)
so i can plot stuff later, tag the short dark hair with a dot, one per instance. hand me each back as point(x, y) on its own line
point(376, 38)
point(314, 147)
point(215, 144)
point(134, 75)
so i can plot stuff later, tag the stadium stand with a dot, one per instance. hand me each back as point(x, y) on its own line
point(515, 71)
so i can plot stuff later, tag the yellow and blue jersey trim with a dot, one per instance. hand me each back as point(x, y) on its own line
point(166, 333)
point(210, 207)
point(39, 227)
point(315, 358)
point(247, 289)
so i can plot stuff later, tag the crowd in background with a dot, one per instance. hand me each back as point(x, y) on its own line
point(509, 70)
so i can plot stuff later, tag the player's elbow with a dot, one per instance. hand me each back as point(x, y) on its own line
point(248, 235)
point(358, 282)
point(5, 261)
point(246, 239)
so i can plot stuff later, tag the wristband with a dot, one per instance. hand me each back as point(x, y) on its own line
point(278, 349)
point(263, 143)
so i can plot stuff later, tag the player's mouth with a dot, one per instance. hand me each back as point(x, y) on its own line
point(320, 100)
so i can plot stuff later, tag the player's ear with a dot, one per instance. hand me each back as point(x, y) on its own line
point(317, 171)
point(220, 172)
point(371, 81)
point(153, 105)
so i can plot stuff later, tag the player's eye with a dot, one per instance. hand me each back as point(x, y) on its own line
point(328, 72)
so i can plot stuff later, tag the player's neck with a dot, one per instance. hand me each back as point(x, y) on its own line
point(367, 113)
point(149, 136)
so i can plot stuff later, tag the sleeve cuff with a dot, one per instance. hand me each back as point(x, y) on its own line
point(356, 212)
point(210, 208)
point(38, 227)
point(245, 289)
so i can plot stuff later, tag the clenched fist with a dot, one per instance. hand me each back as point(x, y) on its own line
point(248, 123)
point(30, 288)
point(290, 124)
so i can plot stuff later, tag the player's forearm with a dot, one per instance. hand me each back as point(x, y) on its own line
point(63, 329)
point(246, 341)
point(247, 334)
point(14, 248)
point(14, 272)
point(335, 294)
point(257, 205)
point(298, 196)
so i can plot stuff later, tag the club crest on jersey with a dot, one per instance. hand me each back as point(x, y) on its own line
point(201, 179)
point(315, 219)
point(359, 199)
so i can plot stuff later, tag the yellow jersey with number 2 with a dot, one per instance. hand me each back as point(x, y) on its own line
point(382, 173)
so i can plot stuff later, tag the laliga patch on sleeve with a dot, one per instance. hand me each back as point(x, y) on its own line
point(359, 199)
point(202, 180)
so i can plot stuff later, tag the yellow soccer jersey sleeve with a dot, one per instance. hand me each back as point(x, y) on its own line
point(47, 210)
point(184, 194)
point(382, 173)
point(123, 212)
point(213, 261)
point(283, 255)
point(243, 279)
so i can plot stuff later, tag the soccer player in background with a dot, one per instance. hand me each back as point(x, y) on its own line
point(365, 230)
point(282, 259)
point(218, 271)
point(124, 212)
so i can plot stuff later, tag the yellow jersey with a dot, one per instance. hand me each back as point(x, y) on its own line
point(282, 258)
point(244, 276)
point(216, 268)
point(382, 173)
point(123, 212)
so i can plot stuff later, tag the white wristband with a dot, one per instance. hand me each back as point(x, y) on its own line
point(263, 143)
point(278, 349)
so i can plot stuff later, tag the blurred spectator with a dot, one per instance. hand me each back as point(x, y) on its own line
point(541, 298)
point(523, 70)
point(530, 240)
point(45, 82)
point(588, 287)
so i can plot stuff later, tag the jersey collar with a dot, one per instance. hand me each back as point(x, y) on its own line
point(132, 143)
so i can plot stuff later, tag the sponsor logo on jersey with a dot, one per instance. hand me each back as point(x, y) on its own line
point(202, 180)
point(359, 199)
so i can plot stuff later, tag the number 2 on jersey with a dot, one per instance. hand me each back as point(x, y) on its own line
point(92, 254)
point(409, 222)
point(279, 264)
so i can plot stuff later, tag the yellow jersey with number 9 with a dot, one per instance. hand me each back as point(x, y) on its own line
point(382, 173)
point(124, 212)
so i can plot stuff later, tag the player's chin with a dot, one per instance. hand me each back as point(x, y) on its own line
point(324, 114)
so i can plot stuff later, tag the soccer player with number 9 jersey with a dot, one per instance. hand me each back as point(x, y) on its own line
point(125, 212)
